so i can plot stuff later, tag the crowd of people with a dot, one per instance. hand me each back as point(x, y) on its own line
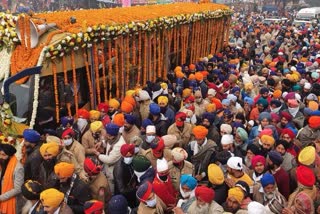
point(235, 132)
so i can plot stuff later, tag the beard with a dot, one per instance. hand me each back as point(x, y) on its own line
point(49, 164)
point(204, 209)
point(231, 209)
point(4, 164)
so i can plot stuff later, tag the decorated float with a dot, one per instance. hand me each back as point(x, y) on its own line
point(54, 63)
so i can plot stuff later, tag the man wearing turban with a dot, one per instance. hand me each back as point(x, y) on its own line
point(49, 152)
point(70, 183)
point(68, 122)
point(112, 154)
point(204, 202)
point(181, 129)
point(92, 140)
point(202, 150)
point(165, 109)
point(11, 179)
point(234, 200)
point(311, 132)
point(52, 202)
point(130, 130)
point(200, 104)
point(34, 159)
point(158, 119)
point(125, 181)
point(103, 109)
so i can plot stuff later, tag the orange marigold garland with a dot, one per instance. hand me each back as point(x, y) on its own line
point(154, 44)
point(65, 77)
point(75, 87)
point(139, 57)
point(145, 49)
point(85, 59)
point(117, 66)
point(121, 57)
point(110, 73)
point(103, 71)
point(127, 61)
point(96, 71)
point(159, 54)
point(55, 88)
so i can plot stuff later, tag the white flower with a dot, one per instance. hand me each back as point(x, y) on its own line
point(89, 29)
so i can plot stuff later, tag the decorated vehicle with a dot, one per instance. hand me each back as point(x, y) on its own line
point(54, 63)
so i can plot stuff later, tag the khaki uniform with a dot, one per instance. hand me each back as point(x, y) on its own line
point(159, 209)
point(184, 137)
point(149, 155)
point(175, 173)
point(134, 131)
point(98, 183)
point(88, 141)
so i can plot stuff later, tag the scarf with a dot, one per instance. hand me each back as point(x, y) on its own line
point(9, 206)
point(293, 111)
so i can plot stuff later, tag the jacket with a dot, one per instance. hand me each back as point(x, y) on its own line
point(161, 124)
point(306, 136)
point(149, 155)
point(127, 135)
point(165, 191)
point(175, 173)
point(32, 164)
point(79, 153)
point(89, 142)
point(258, 195)
point(184, 136)
point(18, 180)
point(125, 182)
point(112, 155)
point(98, 183)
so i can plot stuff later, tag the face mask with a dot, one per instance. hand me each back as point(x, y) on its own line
point(127, 160)
point(152, 202)
point(188, 120)
point(82, 123)
point(184, 194)
point(136, 150)
point(67, 142)
point(149, 139)
point(187, 105)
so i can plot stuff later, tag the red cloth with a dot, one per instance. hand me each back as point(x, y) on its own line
point(105, 120)
point(256, 159)
point(125, 148)
point(305, 176)
point(68, 131)
point(206, 194)
point(165, 191)
point(283, 182)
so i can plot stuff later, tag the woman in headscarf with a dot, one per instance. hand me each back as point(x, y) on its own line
point(302, 204)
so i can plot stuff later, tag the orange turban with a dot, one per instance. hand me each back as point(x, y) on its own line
point(51, 197)
point(126, 107)
point(192, 77)
point(211, 107)
point(313, 105)
point(179, 74)
point(192, 67)
point(314, 122)
point(114, 103)
point(177, 69)
point(94, 115)
point(217, 102)
point(277, 93)
point(51, 148)
point(200, 132)
point(118, 119)
point(130, 100)
point(199, 76)
point(64, 169)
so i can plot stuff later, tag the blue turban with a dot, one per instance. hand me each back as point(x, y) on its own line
point(31, 135)
point(112, 129)
point(243, 134)
point(235, 89)
point(264, 115)
point(264, 90)
point(226, 102)
point(146, 122)
point(154, 109)
point(188, 180)
point(130, 118)
point(65, 120)
point(249, 100)
point(267, 179)
point(209, 116)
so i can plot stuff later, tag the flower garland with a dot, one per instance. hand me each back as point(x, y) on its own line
point(96, 71)
point(139, 57)
point(104, 71)
point(75, 87)
point(110, 74)
point(121, 57)
point(65, 77)
point(5, 56)
point(55, 88)
point(8, 35)
point(127, 61)
point(85, 59)
point(145, 49)
point(117, 66)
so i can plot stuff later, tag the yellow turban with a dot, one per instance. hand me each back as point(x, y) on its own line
point(51, 148)
point(96, 126)
point(211, 108)
point(307, 156)
point(237, 193)
point(163, 99)
point(114, 103)
point(64, 169)
point(164, 85)
point(313, 105)
point(118, 119)
point(200, 132)
point(215, 174)
point(130, 93)
point(186, 92)
point(94, 115)
point(248, 86)
point(51, 197)
point(267, 139)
